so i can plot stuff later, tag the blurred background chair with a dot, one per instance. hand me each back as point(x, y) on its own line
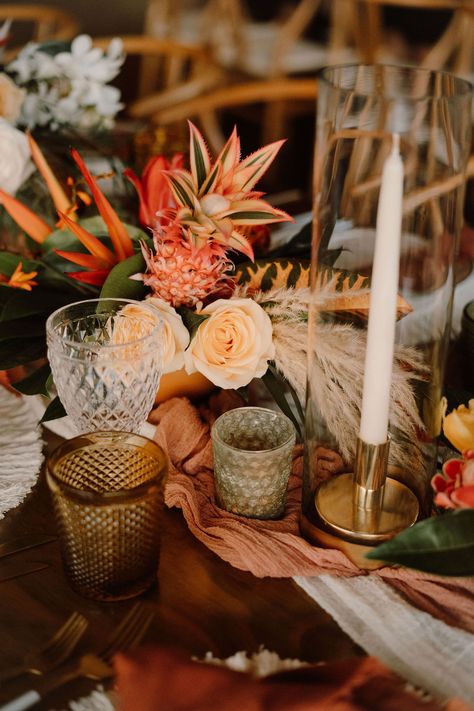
point(264, 111)
point(259, 48)
point(163, 72)
point(37, 23)
point(436, 34)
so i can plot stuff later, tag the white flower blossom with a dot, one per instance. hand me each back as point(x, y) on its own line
point(69, 87)
point(15, 164)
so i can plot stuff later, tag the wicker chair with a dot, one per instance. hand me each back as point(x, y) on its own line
point(40, 22)
point(169, 72)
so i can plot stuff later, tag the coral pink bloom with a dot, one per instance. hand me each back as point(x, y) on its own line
point(454, 487)
point(154, 192)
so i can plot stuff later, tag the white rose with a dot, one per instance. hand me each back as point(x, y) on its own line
point(175, 333)
point(233, 345)
point(15, 158)
point(11, 99)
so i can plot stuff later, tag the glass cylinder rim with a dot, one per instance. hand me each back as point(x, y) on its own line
point(107, 497)
point(215, 434)
point(109, 347)
point(465, 87)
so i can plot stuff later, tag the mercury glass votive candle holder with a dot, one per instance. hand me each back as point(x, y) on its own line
point(107, 490)
point(253, 449)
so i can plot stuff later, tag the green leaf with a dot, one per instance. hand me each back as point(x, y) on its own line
point(119, 285)
point(275, 388)
point(191, 319)
point(54, 275)
point(23, 327)
point(298, 246)
point(36, 383)
point(243, 391)
point(443, 545)
point(20, 351)
point(54, 411)
point(181, 193)
point(292, 392)
point(9, 262)
point(199, 161)
point(67, 240)
point(258, 215)
point(21, 304)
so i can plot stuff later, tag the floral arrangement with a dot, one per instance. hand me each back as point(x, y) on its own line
point(57, 85)
point(444, 544)
point(227, 316)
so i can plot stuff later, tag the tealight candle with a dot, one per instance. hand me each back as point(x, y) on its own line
point(383, 302)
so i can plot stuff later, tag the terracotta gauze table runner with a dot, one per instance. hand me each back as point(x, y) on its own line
point(275, 548)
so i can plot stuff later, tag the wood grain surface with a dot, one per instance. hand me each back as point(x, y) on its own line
point(202, 603)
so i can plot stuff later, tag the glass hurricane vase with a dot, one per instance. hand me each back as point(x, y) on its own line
point(360, 108)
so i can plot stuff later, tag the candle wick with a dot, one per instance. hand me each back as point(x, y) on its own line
point(395, 143)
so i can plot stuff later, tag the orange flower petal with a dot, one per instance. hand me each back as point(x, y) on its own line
point(83, 260)
point(90, 241)
point(34, 226)
point(59, 197)
point(118, 234)
point(96, 278)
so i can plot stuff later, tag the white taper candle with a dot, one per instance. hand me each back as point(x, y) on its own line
point(383, 302)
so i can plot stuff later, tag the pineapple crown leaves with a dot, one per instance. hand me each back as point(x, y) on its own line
point(216, 199)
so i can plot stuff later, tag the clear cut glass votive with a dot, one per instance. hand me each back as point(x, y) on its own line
point(107, 490)
point(253, 449)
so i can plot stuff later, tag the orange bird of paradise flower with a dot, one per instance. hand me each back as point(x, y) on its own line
point(19, 279)
point(100, 259)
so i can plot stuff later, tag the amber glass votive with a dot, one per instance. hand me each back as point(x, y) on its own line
point(253, 449)
point(107, 490)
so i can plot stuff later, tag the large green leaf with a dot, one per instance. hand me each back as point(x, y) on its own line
point(36, 383)
point(20, 304)
point(67, 240)
point(191, 319)
point(23, 327)
point(9, 262)
point(276, 389)
point(443, 545)
point(54, 411)
point(119, 285)
point(54, 275)
point(20, 351)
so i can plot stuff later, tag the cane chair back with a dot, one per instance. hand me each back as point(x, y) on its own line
point(168, 72)
point(36, 23)
point(453, 50)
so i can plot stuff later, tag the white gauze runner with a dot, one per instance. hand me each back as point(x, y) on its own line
point(421, 649)
point(20, 449)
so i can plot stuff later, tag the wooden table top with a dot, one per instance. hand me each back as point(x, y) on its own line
point(202, 603)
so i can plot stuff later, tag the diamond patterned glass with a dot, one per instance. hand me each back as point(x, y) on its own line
point(106, 359)
point(107, 490)
point(253, 450)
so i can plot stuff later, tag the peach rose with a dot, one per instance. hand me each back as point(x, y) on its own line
point(11, 99)
point(233, 345)
point(175, 334)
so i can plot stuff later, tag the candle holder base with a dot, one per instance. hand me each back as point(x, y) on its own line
point(337, 515)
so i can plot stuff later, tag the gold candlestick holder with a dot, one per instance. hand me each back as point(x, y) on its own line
point(360, 509)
